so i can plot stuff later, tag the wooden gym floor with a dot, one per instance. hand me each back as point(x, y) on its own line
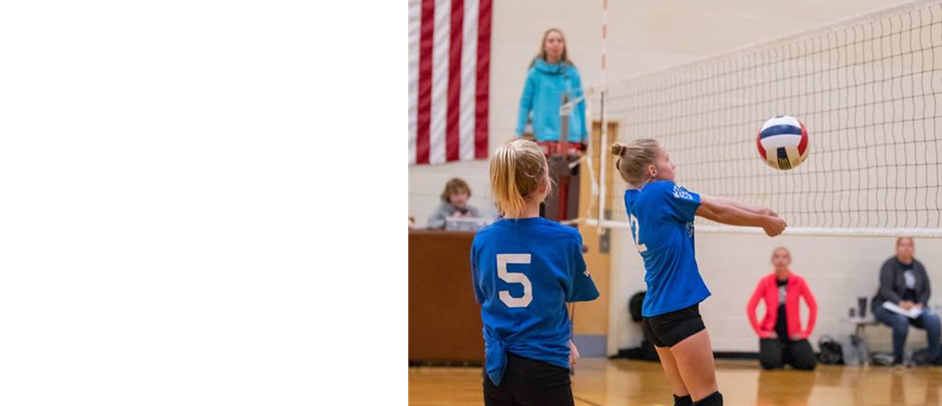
point(601, 382)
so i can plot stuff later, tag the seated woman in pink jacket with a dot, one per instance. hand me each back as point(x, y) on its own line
point(781, 339)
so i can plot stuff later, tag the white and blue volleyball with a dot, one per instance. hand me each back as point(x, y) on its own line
point(783, 142)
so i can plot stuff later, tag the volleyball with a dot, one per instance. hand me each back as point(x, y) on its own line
point(783, 142)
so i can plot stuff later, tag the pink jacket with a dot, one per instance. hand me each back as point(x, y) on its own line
point(768, 290)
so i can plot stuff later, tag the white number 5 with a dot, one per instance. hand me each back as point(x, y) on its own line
point(514, 277)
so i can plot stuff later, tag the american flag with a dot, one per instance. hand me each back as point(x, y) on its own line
point(449, 67)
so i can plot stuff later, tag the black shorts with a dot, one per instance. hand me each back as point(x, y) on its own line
point(668, 329)
point(529, 382)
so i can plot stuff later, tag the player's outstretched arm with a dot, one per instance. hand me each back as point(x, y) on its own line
point(722, 212)
point(742, 206)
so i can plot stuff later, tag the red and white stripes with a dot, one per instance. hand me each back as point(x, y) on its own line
point(449, 67)
point(603, 157)
point(604, 37)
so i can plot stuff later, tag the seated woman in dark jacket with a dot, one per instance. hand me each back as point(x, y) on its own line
point(903, 282)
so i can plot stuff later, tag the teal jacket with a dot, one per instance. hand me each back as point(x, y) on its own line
point(542, 96)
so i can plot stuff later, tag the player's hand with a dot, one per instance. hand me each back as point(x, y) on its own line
point(573, 353)
point(906, 305)
point(771, 213)
point(774, 226)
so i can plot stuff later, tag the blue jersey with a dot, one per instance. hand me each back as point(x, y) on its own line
point(661, 217)
point(524, 271)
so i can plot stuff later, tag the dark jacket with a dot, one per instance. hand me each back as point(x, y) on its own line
point(893, 284)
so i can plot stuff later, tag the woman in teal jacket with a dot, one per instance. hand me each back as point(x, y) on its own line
point(551, 76)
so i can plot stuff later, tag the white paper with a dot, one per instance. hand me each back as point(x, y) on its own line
point(912, 313)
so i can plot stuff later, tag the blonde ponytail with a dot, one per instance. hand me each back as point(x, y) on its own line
point(517, 168)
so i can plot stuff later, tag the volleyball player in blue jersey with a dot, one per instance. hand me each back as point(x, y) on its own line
point(661, 215)
point(525, 269)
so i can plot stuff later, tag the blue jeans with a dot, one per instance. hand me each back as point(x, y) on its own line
point(928, 320)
